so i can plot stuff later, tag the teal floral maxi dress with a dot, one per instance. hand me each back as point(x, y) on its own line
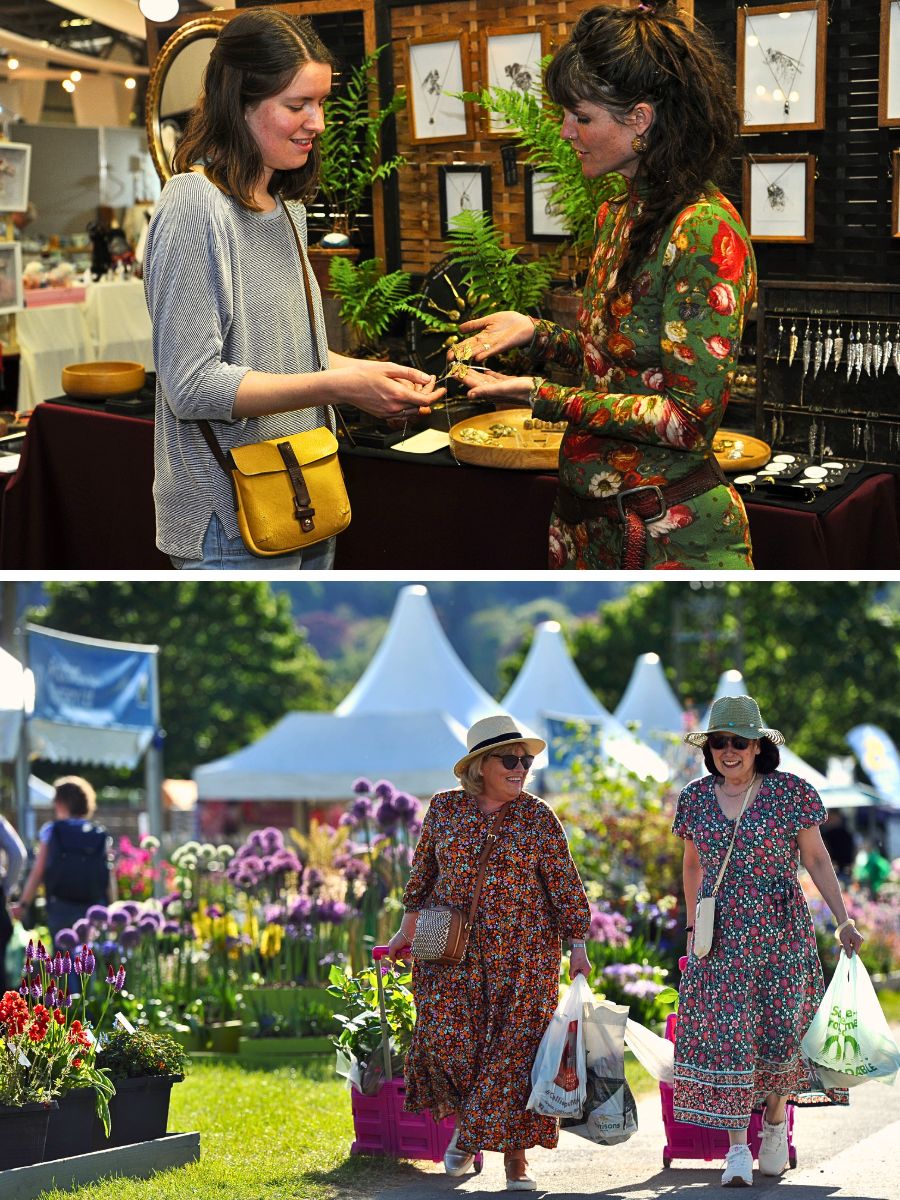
point(744, 1008)
point(479, 1023)
point(656, 370)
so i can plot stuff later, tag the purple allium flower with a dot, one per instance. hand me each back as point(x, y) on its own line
point(119, 918)
point(300, 909)
point(347, 821)
point(355, 868)
point(314, 879)
point(362, 808)
point(384, 789)
point(120, 978)
point(643, 989)
point(130, 937)
point(132, 908)
point(171, 927)
point(272, 839)
point(387, 816)
point(274, 914)
point(254, 843)
point(148, 924)
point(332, 911)
point(98, 914)
point(361, 786)
point(82, 929)
point(405, 804)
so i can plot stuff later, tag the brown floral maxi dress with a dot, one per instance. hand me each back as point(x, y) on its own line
point(479, 1023)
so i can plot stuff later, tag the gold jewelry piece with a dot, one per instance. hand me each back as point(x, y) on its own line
point(843, 925)
point(639, 144)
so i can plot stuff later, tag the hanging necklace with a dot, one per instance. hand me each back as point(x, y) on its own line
point(516, 75)
point(431, 85)
point(741, 790)
point(462, 193)
point(776, 197)
point(783, 69)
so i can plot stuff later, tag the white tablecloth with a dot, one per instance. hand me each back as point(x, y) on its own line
point(111, 324)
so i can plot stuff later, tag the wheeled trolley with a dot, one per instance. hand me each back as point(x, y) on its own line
point(380, 1124)
point(696, 1141)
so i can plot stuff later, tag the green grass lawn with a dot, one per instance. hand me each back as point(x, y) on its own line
point(268, 1135)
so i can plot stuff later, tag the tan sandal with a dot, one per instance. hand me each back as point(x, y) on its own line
point(517, 1177)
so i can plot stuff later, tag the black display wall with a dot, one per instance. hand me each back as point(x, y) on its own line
point(853, 187)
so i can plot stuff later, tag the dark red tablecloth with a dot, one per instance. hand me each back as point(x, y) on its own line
point(82, 500)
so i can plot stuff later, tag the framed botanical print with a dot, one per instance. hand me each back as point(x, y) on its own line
point(511, 59)
point(895, 202)
point(15, 170)
point(779, 197)
point(12, 296)
point(889, 65)
point(463, 186)
point(436, 72)
point(543, 222)
point(781, 66)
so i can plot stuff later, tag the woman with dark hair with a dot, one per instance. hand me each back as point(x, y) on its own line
point(238, 330)
point(745, 1006)
point(650, 111)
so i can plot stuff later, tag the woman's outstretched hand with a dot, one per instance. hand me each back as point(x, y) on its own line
point(386, 389)
point(492, 334)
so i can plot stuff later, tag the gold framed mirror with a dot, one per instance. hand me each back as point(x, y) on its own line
point(175, 84)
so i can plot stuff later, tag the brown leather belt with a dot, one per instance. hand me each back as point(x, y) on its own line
point(638, 507)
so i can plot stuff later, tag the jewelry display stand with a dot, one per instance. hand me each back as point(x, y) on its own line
point(828, 369)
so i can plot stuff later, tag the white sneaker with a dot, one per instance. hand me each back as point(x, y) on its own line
point(773, 1150)
point(738, 1167)
point(456, 1162)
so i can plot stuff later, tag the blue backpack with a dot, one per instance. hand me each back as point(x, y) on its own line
point(77, 867)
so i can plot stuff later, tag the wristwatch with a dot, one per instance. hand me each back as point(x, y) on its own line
point(576, 945)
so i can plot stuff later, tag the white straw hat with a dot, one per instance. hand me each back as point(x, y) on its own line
point(491, 733)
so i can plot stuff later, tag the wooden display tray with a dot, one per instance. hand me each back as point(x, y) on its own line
point(526, 449)
point(756, 452)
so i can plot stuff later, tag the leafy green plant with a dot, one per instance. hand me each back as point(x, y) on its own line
point(127, 1055)
point(495, 277)
point(351, 142)
point(360, 1039)
point(575, 197)
point(370, 299)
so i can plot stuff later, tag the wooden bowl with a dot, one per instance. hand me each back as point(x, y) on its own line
point(738, 452)
point(97, 380)
point(522, 448)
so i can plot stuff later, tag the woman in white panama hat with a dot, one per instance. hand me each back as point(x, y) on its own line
point(479, 1023)
point(744, 1007)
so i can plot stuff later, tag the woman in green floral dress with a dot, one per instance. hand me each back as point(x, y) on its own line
point(650, 111)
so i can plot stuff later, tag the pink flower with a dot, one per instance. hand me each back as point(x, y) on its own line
point(718, 346)
point(653, 378)
point(721, 299)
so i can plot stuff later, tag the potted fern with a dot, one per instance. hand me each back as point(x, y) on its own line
point(495, 277)
point(370, 301)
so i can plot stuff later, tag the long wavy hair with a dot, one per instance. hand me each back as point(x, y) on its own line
point(617, 58)
point(256, 56)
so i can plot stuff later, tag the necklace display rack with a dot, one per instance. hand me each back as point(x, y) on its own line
point(828, 369)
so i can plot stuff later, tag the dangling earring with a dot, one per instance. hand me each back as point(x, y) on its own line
point(639, 143)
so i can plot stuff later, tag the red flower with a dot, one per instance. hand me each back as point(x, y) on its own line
point(718, 346)
point(721, 299)
point(77, 1062)
point(13, 1013)
point(729, 252)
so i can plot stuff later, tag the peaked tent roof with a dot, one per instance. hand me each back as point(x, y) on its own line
point(649, 702)
point(731, 683)
point(415, 669)
point(549, 693)
point(318, 756)
point(13, 686)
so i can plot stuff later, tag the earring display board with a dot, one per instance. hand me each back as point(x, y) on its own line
point(511, 59)
point(543, 222)
point(463, 186)
point(889, 64)
point(778, 196)
point(827, 369)
point(781, 66)
point(436, 72)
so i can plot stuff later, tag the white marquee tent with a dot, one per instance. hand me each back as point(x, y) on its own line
point(405, 720)
point(549, 693)
point(649, 703)
point(15, 683)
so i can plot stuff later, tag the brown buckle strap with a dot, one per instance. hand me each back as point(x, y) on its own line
point(303, 509)
point(639, 507)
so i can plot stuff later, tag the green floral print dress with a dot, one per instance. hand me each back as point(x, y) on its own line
point(479, 1023)
point(656, 371)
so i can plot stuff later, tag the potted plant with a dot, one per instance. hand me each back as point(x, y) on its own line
point(350, 146)
point(370, 301)
point(48, 1058)
point(143, 1066)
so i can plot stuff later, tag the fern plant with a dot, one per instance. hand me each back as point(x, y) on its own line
point(370, 299)
point(351, 142)
point(575, 197)
point(495, 277)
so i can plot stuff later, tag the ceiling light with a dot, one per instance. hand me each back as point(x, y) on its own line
point(158, 10)
point(131, 83)
point(68, 85)
point(75, 76)
point(13, 64)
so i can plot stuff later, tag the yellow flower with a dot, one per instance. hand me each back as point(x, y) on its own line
point(270, 942)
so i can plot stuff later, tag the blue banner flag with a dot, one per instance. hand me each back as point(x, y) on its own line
point(95, 701)
point(878, 757)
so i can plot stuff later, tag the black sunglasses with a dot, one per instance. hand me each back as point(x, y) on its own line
point(511, 761)
point(719, 741)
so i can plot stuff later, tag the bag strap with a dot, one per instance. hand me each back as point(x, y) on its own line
point(486, 851)
point(733, 836)
point(303, 507)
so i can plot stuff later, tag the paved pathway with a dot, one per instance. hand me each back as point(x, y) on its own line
point(843, 1154)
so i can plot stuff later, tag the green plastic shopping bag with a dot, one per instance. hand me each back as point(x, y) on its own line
point(849, 1041)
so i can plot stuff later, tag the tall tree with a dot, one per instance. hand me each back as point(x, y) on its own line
point(231, 661)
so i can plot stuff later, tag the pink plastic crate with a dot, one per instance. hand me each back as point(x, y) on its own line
point(382, 1127)
point(684, 1140)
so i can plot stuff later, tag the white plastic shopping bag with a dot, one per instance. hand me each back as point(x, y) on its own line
point(849, 1041)
point(559, 1074)
point(655, 1054)
point(609, 1115)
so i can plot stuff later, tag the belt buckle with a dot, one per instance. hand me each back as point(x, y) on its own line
point(644, 487)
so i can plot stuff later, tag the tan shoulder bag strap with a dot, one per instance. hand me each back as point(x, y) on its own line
point(486, 851)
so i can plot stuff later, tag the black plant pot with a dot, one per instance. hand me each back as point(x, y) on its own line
point(71, 1128)
point(138, 1112)
point(23, 1133)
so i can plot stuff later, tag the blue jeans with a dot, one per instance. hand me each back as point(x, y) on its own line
point(221, 553)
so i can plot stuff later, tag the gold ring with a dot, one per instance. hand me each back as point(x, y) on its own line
point(487, 345)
